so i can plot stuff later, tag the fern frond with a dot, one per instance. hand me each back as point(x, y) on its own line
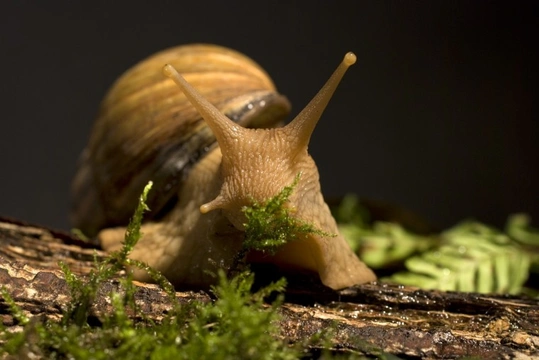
point(519, 228)
point(385, 243)
point(473, 258)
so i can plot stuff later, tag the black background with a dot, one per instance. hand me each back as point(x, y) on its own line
point(438, 115)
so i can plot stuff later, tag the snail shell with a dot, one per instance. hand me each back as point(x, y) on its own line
point(148, 130)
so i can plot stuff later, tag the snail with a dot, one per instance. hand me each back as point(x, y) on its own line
point(211, 147)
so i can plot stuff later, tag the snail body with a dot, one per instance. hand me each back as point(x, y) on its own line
point(211, 149)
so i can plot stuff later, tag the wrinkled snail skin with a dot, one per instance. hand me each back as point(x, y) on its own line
point(204, 229)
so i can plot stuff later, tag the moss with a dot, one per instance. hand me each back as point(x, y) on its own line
point(270, 224)
point(237, 325)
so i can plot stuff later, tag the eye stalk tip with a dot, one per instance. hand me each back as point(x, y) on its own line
point(168, 70)
point(349, 59)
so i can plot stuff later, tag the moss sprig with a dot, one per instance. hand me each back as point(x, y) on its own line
point(84, 290)
point(271, 224)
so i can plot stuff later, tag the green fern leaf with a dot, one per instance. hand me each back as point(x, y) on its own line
point(473, 258)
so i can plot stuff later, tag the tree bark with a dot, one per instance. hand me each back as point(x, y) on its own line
point(367, 319)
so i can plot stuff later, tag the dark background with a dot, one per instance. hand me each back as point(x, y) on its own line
point(438, 115)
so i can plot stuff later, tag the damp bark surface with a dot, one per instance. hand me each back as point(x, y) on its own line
point(369, 319)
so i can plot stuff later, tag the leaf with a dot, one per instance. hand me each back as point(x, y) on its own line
point(473, 258)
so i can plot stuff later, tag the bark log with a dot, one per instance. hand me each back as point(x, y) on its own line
point(367, 319)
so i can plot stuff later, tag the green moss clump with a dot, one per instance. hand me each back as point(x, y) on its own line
point(270, 224)
point(238, 325)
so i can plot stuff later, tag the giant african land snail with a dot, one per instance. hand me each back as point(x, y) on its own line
point(147, 129)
